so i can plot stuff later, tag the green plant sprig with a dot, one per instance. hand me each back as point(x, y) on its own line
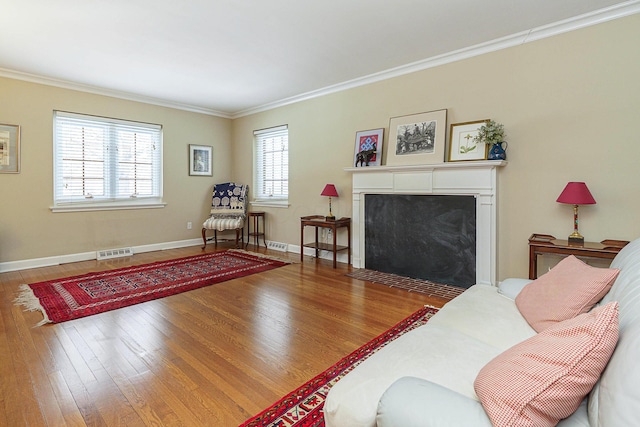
point(490, 133)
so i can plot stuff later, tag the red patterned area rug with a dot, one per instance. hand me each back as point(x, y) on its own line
point(303, 406)
point(79, 296)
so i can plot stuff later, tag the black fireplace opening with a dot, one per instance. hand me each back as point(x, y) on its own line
point(430, 237)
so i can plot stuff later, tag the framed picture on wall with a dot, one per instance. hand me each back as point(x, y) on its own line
point(462, 146)
point(9, 148)
point(200, 160)
point(417, 139)
point(368, 147)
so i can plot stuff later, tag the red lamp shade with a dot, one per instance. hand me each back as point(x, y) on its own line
point(330, 190)
point(576, 193)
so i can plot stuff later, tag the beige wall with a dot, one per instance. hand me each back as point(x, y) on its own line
point(570, 105)
point(29, 230)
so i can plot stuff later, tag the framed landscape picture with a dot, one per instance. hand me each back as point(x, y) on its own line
point(200, 160)
point(368, 147)
point(462, 146)
point(417, 139)
point(9, 148)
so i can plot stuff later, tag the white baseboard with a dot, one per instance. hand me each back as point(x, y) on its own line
point(277, 246)
point(86, 256)
point(342, 255)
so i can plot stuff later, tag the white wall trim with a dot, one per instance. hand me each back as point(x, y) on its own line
point(478, 179)
point(575, 23)
point(342, 256)
point(86, 256)
point(617, 11)
point(65, 84)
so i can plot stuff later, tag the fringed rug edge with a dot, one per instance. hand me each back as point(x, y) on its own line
point(30, 302)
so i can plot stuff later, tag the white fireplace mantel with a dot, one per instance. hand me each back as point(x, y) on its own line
point(473, 178)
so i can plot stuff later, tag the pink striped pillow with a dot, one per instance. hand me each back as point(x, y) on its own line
point(570, 288)
point(544, 378)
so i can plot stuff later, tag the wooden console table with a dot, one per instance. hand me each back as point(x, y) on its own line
point(319, 221)
point(547, 244)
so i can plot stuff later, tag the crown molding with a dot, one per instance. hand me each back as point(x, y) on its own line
point(617, 11)
point(620, 10)
point(64, 84)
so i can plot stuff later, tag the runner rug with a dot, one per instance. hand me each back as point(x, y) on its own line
point(303, 406)
point(79, 296)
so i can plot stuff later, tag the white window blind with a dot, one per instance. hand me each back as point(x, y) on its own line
point(271, 164)
point(102, 160)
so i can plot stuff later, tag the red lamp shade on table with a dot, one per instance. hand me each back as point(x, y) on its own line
point(576, 193)
point(330, 191)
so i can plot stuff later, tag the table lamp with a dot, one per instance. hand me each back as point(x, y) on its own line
point(576, 193)
point(330, 190)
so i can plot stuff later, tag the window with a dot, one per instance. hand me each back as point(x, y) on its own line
point(272, 165)
point(103, 163)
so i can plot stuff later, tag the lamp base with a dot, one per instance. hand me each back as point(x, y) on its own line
point(330, 218)
point(576, 241)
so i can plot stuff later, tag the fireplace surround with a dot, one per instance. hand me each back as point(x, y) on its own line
point(473, 178)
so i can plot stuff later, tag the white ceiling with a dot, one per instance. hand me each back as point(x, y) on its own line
point(233, 57)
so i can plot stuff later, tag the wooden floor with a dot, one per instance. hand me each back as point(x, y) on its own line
point(214, 356)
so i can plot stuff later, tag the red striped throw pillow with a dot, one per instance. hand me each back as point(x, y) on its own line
point(568, 289)
point(543, 379)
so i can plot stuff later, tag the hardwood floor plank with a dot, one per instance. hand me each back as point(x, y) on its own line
point(21, 403)
point(66, 402)
point(212, 356)
point(232, 389)
point(109, 404)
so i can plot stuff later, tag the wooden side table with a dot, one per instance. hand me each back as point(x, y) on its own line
point(319, 221)
point(256, 233)
point(547, 244)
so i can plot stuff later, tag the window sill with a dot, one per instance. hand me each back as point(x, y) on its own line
point(107, 206)
point(270, 203)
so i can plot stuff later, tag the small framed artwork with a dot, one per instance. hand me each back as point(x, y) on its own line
point(200, 160)
point(462, 146)
point(9, 148)
point(368, 147)
point(417, 139)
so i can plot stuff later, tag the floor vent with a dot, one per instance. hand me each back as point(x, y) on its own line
point(114, 253)
point(278, 246)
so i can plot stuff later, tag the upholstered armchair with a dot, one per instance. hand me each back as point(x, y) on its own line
point(228, 211)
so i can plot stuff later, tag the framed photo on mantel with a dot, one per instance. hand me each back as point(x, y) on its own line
point(369, 147)
point(462, 144)
point(417, 139)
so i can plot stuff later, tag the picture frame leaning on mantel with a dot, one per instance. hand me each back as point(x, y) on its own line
point(417, 138)
point(462, 146)
point(368, 150)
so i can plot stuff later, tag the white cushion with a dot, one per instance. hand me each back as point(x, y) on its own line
point(511, 287)
point(578, 418)
point(615, 400)
point(221, 224)
point(403, 404)
point(479, 322)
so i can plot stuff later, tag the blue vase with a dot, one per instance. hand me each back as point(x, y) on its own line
point(498, 152)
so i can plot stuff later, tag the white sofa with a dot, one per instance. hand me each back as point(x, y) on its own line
point(426, 376)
